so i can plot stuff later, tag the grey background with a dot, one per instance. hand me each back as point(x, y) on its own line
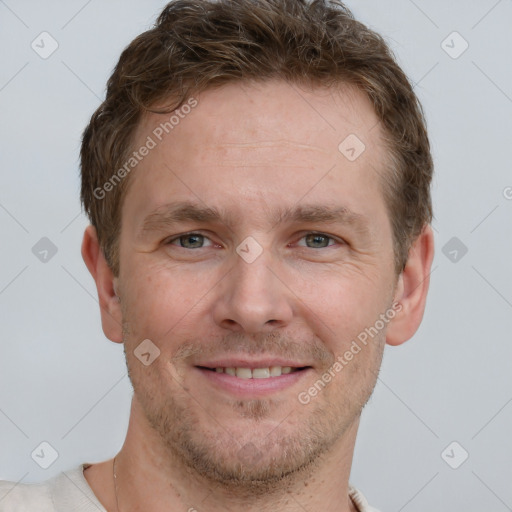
point(62, 382)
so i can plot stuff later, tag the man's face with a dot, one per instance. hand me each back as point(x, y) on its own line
point(274, 281)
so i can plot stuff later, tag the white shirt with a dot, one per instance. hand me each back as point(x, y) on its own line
point(69, 491)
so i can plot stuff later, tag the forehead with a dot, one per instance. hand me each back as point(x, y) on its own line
point(270, 111)
point(249, 140)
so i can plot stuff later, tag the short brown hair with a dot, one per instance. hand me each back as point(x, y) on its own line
point(201, 44)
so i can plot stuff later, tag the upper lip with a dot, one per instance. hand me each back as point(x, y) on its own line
point(248, 363)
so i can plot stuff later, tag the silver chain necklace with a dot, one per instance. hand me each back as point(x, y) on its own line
point(115, 483)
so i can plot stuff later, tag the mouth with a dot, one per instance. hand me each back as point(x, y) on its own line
point(244, 372)
point(246, 381)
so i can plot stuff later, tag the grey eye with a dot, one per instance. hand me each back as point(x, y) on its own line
point(191, 241)
point(317, 241)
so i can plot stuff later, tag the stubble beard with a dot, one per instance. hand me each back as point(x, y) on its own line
point(245, 463)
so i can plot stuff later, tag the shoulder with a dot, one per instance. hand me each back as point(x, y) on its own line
point(18, 497)
point(68, 490)
point(360, 501)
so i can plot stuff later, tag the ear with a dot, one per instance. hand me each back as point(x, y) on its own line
point(411, 290)
point(110, 307)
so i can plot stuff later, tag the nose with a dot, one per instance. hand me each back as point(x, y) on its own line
point(253, 297)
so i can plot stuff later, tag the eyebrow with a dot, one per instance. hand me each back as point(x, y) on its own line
point(170, 214)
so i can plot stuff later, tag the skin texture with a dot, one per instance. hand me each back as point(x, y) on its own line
point(252, 151)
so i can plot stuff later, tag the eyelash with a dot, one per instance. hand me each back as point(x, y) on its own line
point(314, 233)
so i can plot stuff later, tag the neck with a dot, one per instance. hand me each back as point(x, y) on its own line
point(149, 477)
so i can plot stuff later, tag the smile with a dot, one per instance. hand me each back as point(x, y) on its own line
point(246, 382)
point(255, 373)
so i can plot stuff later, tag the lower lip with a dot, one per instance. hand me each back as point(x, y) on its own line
point(253, 387)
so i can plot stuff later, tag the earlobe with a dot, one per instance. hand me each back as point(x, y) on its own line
point(110, 308)
point(412, 288)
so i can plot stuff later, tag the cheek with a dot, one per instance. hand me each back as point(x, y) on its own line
point(159, 299)
point(342, 306)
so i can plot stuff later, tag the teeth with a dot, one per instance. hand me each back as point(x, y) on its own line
point(244, 373)
point(261, 373)
point(257, 373)
point(275, 371)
